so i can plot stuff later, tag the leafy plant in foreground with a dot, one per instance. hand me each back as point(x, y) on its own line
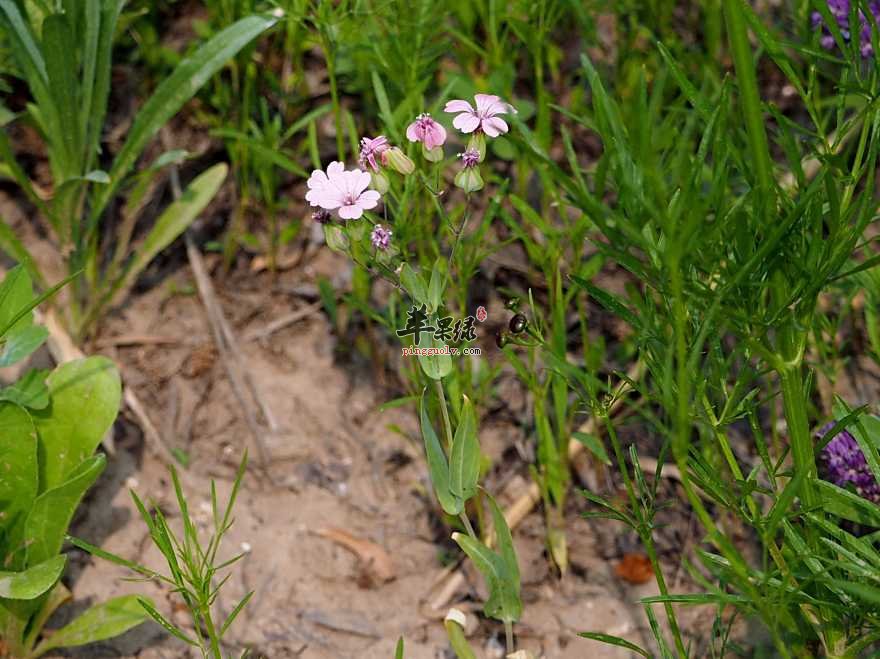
point(65, 57)
point(193, 566)
point(50, 426)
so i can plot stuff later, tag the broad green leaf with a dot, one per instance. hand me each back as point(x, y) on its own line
point(504, 603)
point(178, 88)
point(174, 220)
point(85, 396)
point(414, 284)
point(102, 621)
point(504, 542)
point(47, 522)
point(19, 476)
point(437, 465)
point(15, 293)
point(464, 463)
point(438, 365)
point(29, 391)
point(20, 343)
point(33, 582)
point(436, 285)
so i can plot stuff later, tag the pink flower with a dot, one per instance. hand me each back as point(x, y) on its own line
point(343, 190)
point(370, 150)
point(484, 118)
point(380, 237)
point(470, 158)
point(427, 131)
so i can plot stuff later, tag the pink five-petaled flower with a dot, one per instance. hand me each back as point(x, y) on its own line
point(372, 149)
point(485, 118)
point(427, 131)
point(343, 190)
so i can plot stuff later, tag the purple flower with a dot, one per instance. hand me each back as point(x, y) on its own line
point(380, 237)
point(470, 158)
point(427, 131)
point(372, 149)
point(485, 118)
point(844, 465)
point(343, 190)
point(840, 10)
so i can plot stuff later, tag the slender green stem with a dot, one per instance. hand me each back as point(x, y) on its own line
point(794, 408)
point(747, 82)
point(508, 636)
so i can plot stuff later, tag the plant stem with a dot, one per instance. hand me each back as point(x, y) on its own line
point(508, 635)
point(748, 88)
point(793, 405)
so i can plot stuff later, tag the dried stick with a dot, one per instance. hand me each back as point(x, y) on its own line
point(281, 323)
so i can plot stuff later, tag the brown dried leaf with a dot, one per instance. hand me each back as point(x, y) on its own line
point(635, 568)
point(375, 563)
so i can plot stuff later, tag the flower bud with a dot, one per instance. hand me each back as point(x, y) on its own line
point(432, 155)
point(379, 182)
point(398, 161)
point(477, 142)
point(469, 179)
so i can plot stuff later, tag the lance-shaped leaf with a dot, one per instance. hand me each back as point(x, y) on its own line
point(437, 465)
point(464, 468)
point(85, 397)
point(500, 569)
point(53, 510)
point(33, 582)
point(19, 478)
point(436, 366)
point(102, 621)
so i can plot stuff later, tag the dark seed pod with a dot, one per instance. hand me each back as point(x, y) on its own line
point(518, 324)
point(512, 304)
point(501, 339)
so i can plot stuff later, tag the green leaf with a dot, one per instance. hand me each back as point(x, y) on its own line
point(34, 581)
point(504, 603)
point(18, 466)
point(165, 624)
point(174, 220)
point(102, 621)
point(438, 468)
point(414, 284)
point(436, 366)
point(846, 504)
point(85, 396)
point(29, 391)
point(436, 286)
point(398, 651)
point(464, 464)
point(615, 640)
point(47, 522)
point(15, 294)
point(178, 88)
point(20, 343)
point(593, 444)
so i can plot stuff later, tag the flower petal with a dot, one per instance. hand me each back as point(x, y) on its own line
point(412, 133)
point(494, 126)
point(368, 199)
point(458, 106)
point(466, 122)
point(435, 136)
point(486, 103)
point(350, 212)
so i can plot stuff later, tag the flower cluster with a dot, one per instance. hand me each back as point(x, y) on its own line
point(840, 10)
point(844, 465)
point(352, 192)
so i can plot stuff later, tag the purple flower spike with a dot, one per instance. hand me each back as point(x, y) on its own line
point(845, 465)
point(380, 237)
point(840, 10)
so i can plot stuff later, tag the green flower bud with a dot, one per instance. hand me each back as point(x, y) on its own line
point(478, 144)
point(379, 182)
point(397, 160)
point(469, 179)
point(432, 155)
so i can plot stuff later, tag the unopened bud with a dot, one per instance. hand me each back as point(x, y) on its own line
point(398, 161)
point(379, 182)
point(469, 179)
